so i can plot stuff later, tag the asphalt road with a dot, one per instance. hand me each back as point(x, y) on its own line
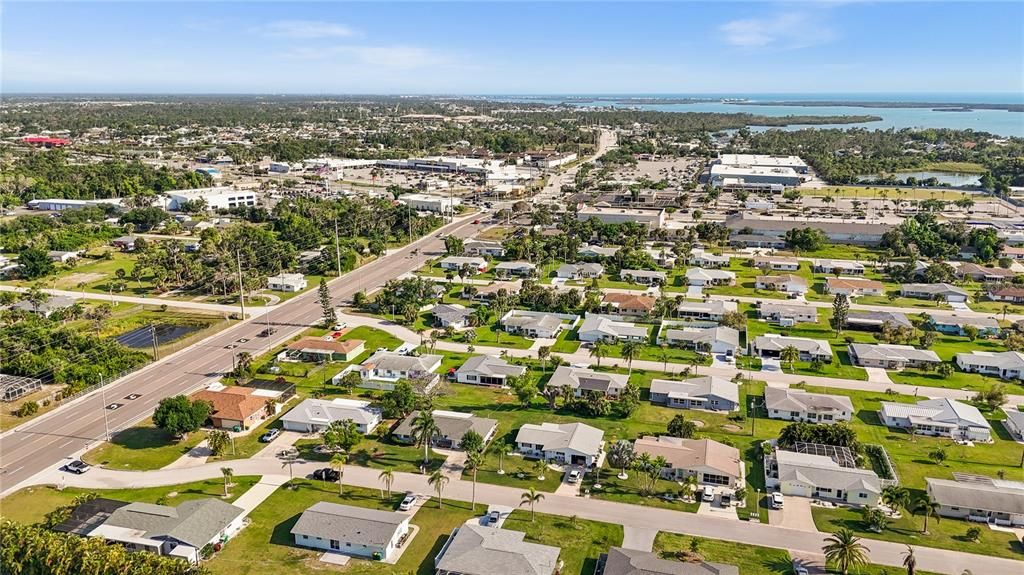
point(50, 440)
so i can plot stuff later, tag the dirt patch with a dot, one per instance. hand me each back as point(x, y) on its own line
point(732, 428)
point(698, 423)
point(73, 280)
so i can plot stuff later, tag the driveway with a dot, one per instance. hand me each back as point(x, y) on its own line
point(695, 292)
point(722, 361)
point(638, 538)
point(771, 364)
point(795, 515)
point(566, 488)
point(285, 440)
point(877, 375)
point(716, 510)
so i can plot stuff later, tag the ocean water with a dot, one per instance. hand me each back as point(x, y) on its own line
point(998, 122)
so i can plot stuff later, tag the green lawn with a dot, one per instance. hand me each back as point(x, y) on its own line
point(376, 452)
point(628, 491)
point(141, 448)
point(31, 504)
point(840, 367)
point(945, 533)
point(582, 542)
point(266, 546)
point(568, 342)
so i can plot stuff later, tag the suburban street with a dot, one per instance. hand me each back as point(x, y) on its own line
point(47, 441)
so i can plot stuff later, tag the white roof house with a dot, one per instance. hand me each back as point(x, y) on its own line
point(478, 550)
point(709, 392)
point(979, 498)
point(713, 310)
point(535, 324)
point(890, 356)
point(487, 370)
point(351, 530)
point(931, 291)
point(314, 415)
point(474, 264)
point(715, 340)
point(384, 369)
point(583, 380)
point(707, 277)
point(568, 443)
point(819, 476)
point(596, 327)
point(772, 344)
point(287, 282)
point(580, 270)
point(786, 314)
point(942, 417)
point(1007, 364)
point(646, 277)
point(798, 405)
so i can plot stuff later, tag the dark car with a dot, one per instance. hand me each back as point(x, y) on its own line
point(268, 332)
point(327, 474)
point(77, 467)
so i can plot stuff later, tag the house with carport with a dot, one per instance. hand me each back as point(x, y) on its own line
point(562, 443)
point(708, 392)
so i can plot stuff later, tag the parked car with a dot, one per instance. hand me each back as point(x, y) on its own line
point(408, 502)
point(574, 476)
point(707, 495)
point(493, 517)
point(776, 500)
point(77, 467)
point(726, 500)
point(799, 569)
point(327, 474)
point(340, 325)
point(270, 435)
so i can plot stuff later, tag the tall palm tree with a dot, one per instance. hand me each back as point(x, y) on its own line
point(896, 497)
point(929, 508)
point(473, 461)
point(844, 550)
point(228, 473)
point(438, 481)
point(790, 355)
point(598, 350)
point(543, 353)
point(909, 561)
point(388, 477)
point(531, 498)
point(338, 464)
point(630, 351)
point(424, 426)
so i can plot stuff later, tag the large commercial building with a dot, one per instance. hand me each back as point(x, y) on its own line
point(430, 203)
point(851, 232)
point(652, 218)
point(763, 161)
point(722, 175)
point(216, 198)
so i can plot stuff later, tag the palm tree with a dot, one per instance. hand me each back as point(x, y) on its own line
point(217, 441)
point(844, 550)
point(531, 498)
point(909, 561)
point(388, 477)
point(228, 473)
point(543, 353)
point(338, 464)
point(790, 355)
point(896, 497)
point(630, 351)
point(438, 480)
point(473, 461)
point(424, 428)
point(929, 508)
point(539, 467)
point(598, 350)
point(663, 356)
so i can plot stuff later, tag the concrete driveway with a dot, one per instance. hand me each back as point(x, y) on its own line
point(877, 375)
point(795, 515)
point(771, 364)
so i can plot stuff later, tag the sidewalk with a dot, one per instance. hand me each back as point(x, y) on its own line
point(252, 311)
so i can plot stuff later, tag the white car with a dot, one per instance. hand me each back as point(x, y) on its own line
point(574, 476)
point(708, 495)
point(408, 502)
point(799, 569)
point(776, 500)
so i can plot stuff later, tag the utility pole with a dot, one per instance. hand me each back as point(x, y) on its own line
point(103, 396)
point(241, 291)
point(337, 246)
point(152, 337)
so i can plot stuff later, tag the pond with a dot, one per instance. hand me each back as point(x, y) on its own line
point(948, 179)
point(143, 337)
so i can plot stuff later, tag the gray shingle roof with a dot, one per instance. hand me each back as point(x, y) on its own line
point(478, 550)
point(194, 523)
point(797, 400)
point(325, 411)
point(451, 426)
point(586, 379)
point(490, 365)
point(889, 352)
point(1007, 497)
point(631, 562)
point(349, 524)
point(553, 436)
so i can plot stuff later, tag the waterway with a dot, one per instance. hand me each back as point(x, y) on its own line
point(142, 338)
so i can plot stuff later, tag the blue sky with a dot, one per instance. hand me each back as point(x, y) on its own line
point(509, 48)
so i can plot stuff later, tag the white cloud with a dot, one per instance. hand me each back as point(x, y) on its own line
point(785, 31)
point(395, 56)
point(304, 29)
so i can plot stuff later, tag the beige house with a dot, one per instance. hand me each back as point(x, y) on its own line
point(711, 462)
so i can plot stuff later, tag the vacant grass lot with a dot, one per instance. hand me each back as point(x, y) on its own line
point(581, 541)
point(31, 504)
point(141, 448)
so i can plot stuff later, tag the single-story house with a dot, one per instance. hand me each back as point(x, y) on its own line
point(1014, 422)
point(709, 392)
point(1008, 294)
point(777, 263)
point(519, 269)
point(953, 324)
point(350, 530)
point(643, 277)
point(715, 340)
point(474, 265)
point(622, 561)
point(787, 283)
point(874, 320)
point(475, 247)
point(940, 417)
point(234, 406)
point(772, 344)
point(581, 380)
point(316, 415)
point(703, 259)
point(854, 287)
point(488, 370)
point(52, 305)
point(840, 267)
point(587, 251)
point(452, 426)
point(124, 243)
point(979, 273)
point(711, 310)
point(487, 293)
point(62, 257)
point(596, 327)
point(287, 282)
point(979, 498)
point(384, 369)
point(757, 241)
point(787, 315)
point(951, 293)
point(451, 314)
point(580, 271)
point(798, 405)
point(891, 356)
point(533, 324)
point(711, 462)
point(474, 549)
point(1007, 364)
point(711, 277)
point(315, 349)
point(821, 477)
point(628, 304)
point(564, 443)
